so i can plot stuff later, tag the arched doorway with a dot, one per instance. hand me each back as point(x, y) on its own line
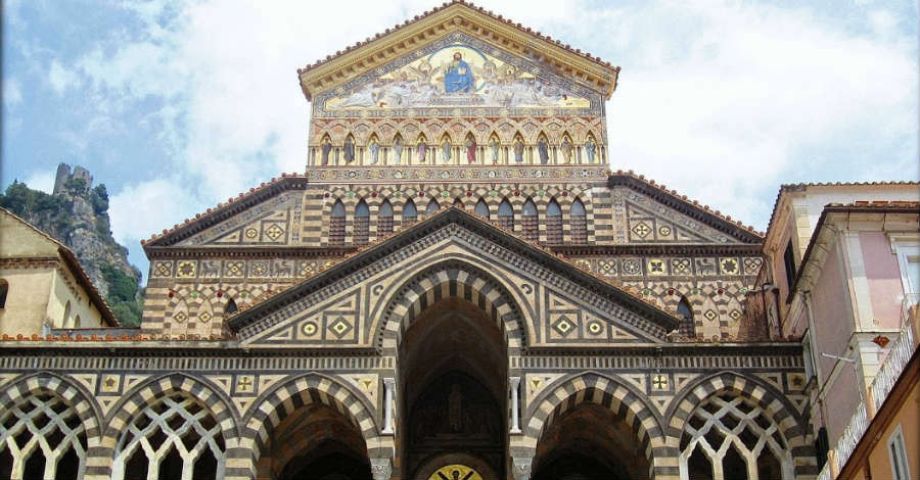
point(590, 441)
point(453, 382)
point(315, 441)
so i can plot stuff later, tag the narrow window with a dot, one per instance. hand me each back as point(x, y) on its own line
point(506, 215)
point(337, 224)
point(553, 223)
point(897, 453)
point(482, 209)
point(687, 327)
point(579, 222)
point(77, 322)
point(4, 289)
point(433, 207)
point(409, 213)
point(531, 221)
point(385, 219)
point(65, 322)
point(362, 223)
point(459, 204)
point(231, 308)
point(789, 264)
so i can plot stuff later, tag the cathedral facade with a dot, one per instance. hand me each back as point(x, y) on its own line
point(456, 288)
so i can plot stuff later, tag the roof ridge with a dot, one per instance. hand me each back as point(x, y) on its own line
point(692, 202)
point(444, 6)
point(232, 201)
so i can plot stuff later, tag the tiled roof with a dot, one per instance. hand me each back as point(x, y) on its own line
point(78, 272)
point(797, 187)
point(444, 6)
point(690, 203)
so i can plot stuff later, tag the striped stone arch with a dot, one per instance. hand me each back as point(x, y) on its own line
point(273, 406)
point(149, 393)
point(452, 279)
point(792, 426)
point(622, 399)
point(73, 394)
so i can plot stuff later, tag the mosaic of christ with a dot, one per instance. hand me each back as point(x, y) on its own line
point(457, 75)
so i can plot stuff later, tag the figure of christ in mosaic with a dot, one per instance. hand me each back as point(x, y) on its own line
point(459, 76)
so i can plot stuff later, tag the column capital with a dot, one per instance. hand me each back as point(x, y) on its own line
point(382, 468)
point(520, 467)
point(389, 381)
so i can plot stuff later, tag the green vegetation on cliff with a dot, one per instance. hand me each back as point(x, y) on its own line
point(78, 217)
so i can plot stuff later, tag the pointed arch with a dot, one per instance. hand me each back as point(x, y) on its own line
point(458, 203)
point(451, 278)
point(506, 215)
point(531, 221)
point(384, 219)
point(337, 223)
point(553, 222)
point(65, 322)
point(175, 413)
point(409, 213)
point(687, 326)
point(362, 223)
point(482, 209)
point(433, 207)
point(742, 427)
point(47, 426)
point(578, 221)
point(230, 308)
point(624, 400)
point(282, 399)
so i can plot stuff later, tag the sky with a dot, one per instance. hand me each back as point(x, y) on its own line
point(178, 105)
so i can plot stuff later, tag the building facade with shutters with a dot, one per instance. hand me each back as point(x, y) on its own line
point(456, 287)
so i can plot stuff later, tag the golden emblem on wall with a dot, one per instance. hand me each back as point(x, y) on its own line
point(455, 472)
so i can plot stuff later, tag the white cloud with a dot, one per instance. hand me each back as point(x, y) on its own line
point(40, 180)
point(61, 78)
point(12, 92)
point(719, 100)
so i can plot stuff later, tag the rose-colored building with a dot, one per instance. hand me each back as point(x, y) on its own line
point(842, 273)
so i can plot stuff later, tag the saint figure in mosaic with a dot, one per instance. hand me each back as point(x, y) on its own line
point(518, 150)
point(543, 150)
point(590, 148)
point(445, 151)
point(470, 150)
point(459, 76)
point(374, 149)
point(566, 148)
point(326, 148)
point(493, 147)
point(397, 150)
point(422, 151)
point(349, 149)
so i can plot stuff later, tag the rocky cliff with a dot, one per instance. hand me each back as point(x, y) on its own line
point(76, 214)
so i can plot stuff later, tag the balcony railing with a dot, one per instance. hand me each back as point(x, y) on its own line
point(890, 370)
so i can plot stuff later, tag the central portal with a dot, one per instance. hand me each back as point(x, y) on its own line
point(453, 369)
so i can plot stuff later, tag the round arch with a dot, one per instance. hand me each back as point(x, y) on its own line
point(594, 388)
point(450, 277)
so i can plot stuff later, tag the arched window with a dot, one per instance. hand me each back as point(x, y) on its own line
point(506, 215)
point(482, 209)
point(4, 290)
point(337, 224)
point(43, 437)
point(173, 435)
point(578, 220)
point(730, 436)
point(409, 213)
point(65, 322)
point(77, 322)
point(687, 327)
point(433, 207)
point(553, 223)
point(385, 219)
point(362, 223)
point(531, 221)
point(230, 308)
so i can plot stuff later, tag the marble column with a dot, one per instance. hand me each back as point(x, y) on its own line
point(515, 383)
point(382, 468)
point(520, 467)
point(388, 385)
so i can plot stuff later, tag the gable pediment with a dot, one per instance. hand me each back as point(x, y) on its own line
point(455, 19)
point(554, 303)
point(650, 214)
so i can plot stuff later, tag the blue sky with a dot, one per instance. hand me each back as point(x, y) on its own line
point(178, 105)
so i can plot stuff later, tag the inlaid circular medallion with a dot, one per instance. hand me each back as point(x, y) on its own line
point(455, 472)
